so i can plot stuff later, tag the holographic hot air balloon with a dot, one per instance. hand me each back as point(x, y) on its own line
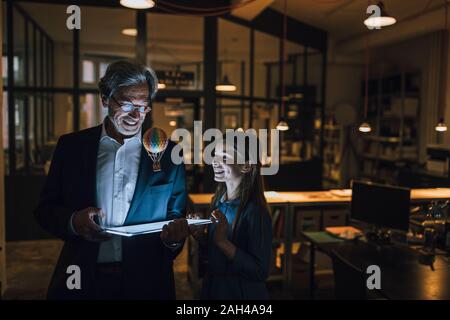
point(155, 142)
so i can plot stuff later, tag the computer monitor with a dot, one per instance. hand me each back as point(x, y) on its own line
point(381, 205)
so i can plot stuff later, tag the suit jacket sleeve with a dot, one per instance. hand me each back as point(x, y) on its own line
point(176, 207)
point(177, 203)
point(51, 213)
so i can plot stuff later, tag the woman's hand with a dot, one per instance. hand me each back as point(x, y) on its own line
point(221, 227)
point(220, 235)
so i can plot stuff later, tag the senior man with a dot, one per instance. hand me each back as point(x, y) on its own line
point(102, 177)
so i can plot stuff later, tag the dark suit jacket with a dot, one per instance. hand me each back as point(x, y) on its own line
point(71, 186)
point(244, 276)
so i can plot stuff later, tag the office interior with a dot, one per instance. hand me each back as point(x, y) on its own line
point(351, 103)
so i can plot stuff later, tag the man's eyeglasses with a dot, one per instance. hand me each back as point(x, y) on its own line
point(128, 106)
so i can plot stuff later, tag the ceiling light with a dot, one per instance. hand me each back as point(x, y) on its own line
point(225, 85)
point(173, 123)
point(161, 85)
point(365, 127)
point(132, 32)
point(282, 126)
point(383, 20)
point(441, 126)
point(138, 4)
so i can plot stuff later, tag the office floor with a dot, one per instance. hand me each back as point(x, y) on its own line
point(29, 265)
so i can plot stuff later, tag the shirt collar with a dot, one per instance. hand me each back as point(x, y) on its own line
point(233, 202)
point(104, 134)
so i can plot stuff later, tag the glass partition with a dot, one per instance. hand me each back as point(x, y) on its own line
point(175, 50)
point(266, 66)
point(233, 62)
point(43, 97)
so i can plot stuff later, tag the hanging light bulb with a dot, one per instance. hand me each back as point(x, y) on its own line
point(383, 20)
point(161, 85)
point(132, 32)
point(282, 125)
point(441, 126)
point(225, 85)
point(138, 4)
point(365, 127)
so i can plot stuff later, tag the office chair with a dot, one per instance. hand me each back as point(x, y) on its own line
point(349, 281)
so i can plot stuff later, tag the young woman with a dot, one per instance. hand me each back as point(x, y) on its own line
point(240, 239)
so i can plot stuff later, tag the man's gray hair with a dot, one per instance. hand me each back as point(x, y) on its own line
point(125, 74)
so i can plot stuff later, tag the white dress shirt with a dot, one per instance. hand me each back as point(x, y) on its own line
point(117, 172)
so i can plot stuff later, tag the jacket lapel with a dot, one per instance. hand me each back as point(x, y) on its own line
point(144, 176)
point(90, 163)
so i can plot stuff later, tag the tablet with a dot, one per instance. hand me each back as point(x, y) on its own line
point(137, 229)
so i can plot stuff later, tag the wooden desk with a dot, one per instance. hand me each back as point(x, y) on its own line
point(201, 199)
point(272, 197)
point(315, 198)
point(402, 276)
point(292, 200)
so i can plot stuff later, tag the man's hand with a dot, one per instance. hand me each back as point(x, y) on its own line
point(175, 231)
point(84, 224)
point(197, 231)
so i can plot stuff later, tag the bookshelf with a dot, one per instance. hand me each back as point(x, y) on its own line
point(333, 143)
point(393, 113)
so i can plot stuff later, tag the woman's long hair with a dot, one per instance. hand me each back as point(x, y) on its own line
point(251, 187)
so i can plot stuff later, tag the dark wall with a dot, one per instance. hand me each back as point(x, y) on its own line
point(297, 176)
point(22, 195)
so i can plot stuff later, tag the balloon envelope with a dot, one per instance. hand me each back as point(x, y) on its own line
point(155, 140)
